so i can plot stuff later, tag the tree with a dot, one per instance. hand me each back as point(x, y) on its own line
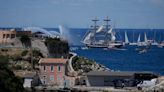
point(26, 41)
point(8, 81)
point(57, 48)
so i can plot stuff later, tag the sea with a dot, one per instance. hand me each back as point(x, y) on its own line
point(127, 58)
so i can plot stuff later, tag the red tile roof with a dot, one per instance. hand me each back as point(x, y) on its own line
point(52, 60)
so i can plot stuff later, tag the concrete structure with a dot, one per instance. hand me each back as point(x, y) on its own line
point(28, 77)
point(117, 79)
point(108, 78)
point(52, 71)
point(21, 33)
point(7, 36)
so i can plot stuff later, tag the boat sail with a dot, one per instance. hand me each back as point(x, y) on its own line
point(100, 29)
point(108, 34)
point(145, 39)
point(139, 40)
point(113, 37)
point(154, 42)
point(126, 38)
point(87, 39)
point(110, 31)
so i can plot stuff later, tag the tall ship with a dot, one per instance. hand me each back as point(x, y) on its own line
point(101, 36)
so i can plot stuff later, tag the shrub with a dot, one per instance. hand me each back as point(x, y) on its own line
point(4, 60)
point(24, 53)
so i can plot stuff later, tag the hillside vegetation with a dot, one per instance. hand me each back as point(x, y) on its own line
point(57, 48)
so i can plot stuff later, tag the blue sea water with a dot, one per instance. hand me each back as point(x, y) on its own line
point(128, 59)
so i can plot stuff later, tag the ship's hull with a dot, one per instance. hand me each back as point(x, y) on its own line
point(112, 45)
point(96, 46)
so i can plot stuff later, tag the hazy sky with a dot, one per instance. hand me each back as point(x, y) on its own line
point(78, 13)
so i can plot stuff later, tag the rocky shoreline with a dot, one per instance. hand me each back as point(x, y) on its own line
point(83, 65)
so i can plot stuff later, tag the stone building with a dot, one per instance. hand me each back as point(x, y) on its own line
point(52, 71)
point(7, 36)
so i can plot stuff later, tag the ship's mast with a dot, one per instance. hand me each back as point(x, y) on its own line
point(107, 23)
point(95, 26)
point(106, 20)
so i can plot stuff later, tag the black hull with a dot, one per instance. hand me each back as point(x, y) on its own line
point(118, 46)
point(101, 46)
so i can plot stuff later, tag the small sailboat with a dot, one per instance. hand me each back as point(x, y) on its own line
point(146, 42)
point(154, 42)
point(145, 38)
point(161, 44)
point(126, 39)
point(139, 40)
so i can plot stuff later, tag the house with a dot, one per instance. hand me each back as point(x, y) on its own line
point(52, 71)
point(7, 36)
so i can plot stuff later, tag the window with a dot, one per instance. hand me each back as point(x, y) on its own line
point(59, 68)
point(8, 35)
point(4, 35)
point(52, 68)
point(51, 77)
point(44, 79)
point(44, 68)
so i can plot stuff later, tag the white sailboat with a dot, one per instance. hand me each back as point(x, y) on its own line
point(126, 38)
point(146, 42)
point(139, 39)
point(145, 39)
point(154, 42)
point(139, 43)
